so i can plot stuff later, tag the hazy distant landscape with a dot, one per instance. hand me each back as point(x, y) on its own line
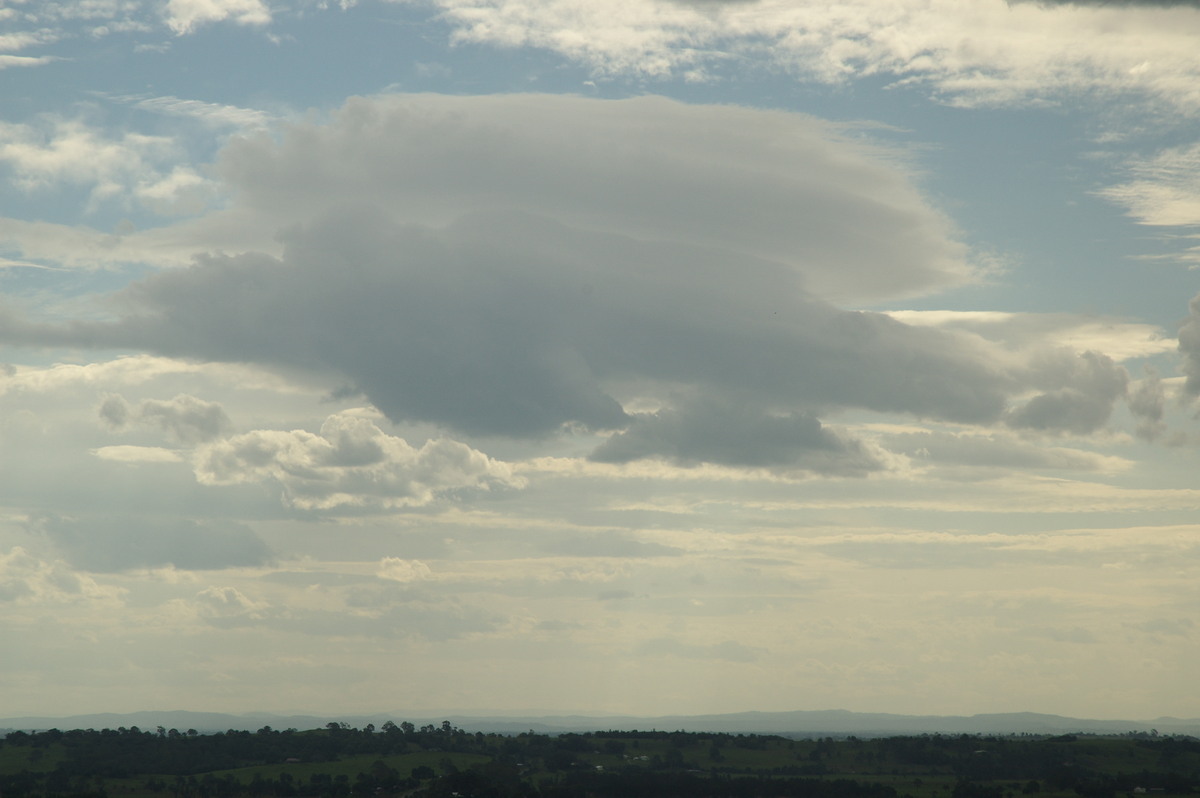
point(340, 760)
point(813, 723)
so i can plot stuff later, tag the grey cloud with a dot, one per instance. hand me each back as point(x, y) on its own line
point(734, 435)
point(509, 324)
point(648, 250)
point(1189, 348)
point(1085, 389)
point(781, 186)
point(112, 544)
point(115, 412)
point(185, 419)
point(1148, 402)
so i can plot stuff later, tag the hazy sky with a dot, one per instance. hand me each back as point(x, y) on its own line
point(632, 356)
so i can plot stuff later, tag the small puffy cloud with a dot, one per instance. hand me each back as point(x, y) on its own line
point(350, 463)
point(183, 16)
point(227, 602)
point(398, 569)
point(185, 419)
point(110, 544)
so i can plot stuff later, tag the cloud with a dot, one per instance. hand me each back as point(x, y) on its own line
point(1088, 386)
point(767, 184)
point(212, 114)
point(1189, 348)
point(1163, 190)
point(227, 602)
point(524, 265)
point(56, 152)
point(137, 454)
point(1147, 402)
point(24, 579)
point(398, 569)
point(1116, 338)
point(183, 16)
point(707, 432)
point(7, 60)
point(969, 51)
point(350, 463)
point(120, 543)
point(996, 450)
point(186, 419)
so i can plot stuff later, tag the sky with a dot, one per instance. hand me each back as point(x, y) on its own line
point(599, 356)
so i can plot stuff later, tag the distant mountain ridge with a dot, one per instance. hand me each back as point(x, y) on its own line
point(798, 723)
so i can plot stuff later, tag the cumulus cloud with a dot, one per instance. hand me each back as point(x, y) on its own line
point(350, 463)
point(111, 544)
point(398, 569)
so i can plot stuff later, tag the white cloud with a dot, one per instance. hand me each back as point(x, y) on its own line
point(971, 51)
point(183, 16)
point(1163, 190)
point(58, 152)
point(1118, 339)
point(398, 569)
point(7, 60)
point(351, 463)
point(213, 114)
point(137, 454)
